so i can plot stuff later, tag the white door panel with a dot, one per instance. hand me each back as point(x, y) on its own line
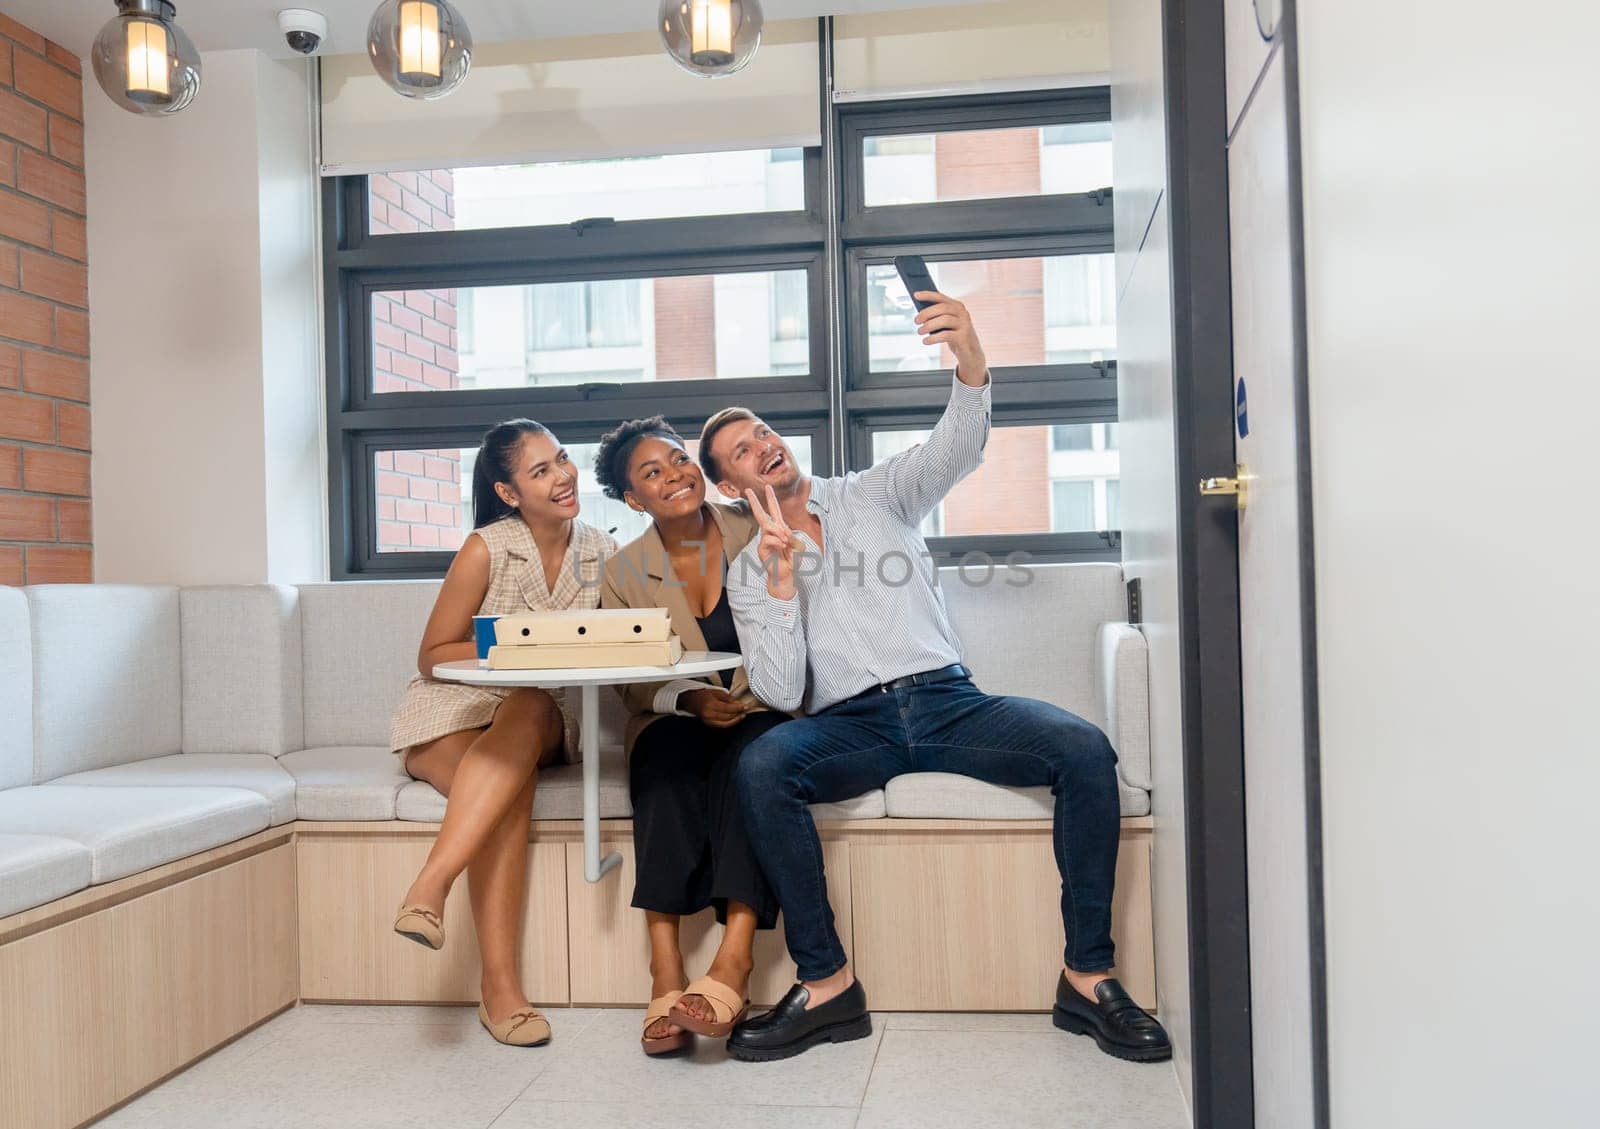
point(1270, 603)
point(1246, 48)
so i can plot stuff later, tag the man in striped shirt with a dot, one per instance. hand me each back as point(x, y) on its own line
point(838, 611)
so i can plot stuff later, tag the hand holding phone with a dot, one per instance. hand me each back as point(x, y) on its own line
point(914, 274)
point(950, 326)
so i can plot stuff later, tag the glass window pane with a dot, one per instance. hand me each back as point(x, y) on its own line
point(1072, 437)
point(696, 327)
point(1075, 158)
point(425, 497)
point(624, 188)
point(1071, 505)
point(1056, 310)
point(981, 164)
point(1025, 485)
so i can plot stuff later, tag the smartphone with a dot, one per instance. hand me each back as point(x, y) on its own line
point(914, 273)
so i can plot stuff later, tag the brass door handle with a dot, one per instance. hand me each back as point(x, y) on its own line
point(1238, 487)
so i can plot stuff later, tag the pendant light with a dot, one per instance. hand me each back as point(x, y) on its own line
point(711, 38)
point(421, 48)
point(144, 61)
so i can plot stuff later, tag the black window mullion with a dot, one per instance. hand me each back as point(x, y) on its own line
point(582, 402)
point(708, 236)
point(1040, 389)
point(1016, 218)
point(975, 111)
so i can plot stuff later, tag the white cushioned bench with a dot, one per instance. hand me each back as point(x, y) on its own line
point(148, 723)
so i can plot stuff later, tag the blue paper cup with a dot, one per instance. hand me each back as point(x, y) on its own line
point(483, 634)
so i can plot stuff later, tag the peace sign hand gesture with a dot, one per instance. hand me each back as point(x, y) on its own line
point(777, 545)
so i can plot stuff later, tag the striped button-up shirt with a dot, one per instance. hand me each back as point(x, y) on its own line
point(867, 607)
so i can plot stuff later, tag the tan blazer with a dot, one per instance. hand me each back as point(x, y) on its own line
point(637, 577)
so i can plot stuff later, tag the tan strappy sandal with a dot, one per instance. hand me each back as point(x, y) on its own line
point(727, 1005)
point(660, 1008)
point(525, 1028)
point(419, 924)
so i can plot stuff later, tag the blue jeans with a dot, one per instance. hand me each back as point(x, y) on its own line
point(862, 743)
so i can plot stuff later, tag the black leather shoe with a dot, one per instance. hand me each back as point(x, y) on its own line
point(789, 1028)
point(1120, 1026)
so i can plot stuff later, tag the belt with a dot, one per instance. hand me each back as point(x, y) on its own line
point(926, 678)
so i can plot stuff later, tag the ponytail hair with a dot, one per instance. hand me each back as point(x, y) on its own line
point(496, 463)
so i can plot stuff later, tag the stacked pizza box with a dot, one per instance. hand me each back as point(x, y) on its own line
point(569, 639)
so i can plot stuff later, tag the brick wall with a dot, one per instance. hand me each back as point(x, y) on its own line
point(990, 162)
point(419, 498)
point(46, 533)
point(686, 331)
point(414, 349)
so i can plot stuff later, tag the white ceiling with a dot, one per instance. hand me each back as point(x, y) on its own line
point(219, 25)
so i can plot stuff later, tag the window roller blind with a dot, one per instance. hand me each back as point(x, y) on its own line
point(573, 99)
point(1003, 46)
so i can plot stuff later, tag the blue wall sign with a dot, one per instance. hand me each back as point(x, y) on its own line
point(1240, 412)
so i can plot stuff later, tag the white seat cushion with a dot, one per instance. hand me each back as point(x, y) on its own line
point(254, 772)
point(345, 782)
point(559, 796)
point(360, 643)
point(869, 805)
point(16, 690)
point(35, 869)
point(359, 647)
point(241, 669)
point(106, 676)
point(945, 795)
point(132, 829)
point(1135, 801)
point(1037, 640)
point(1123, 671)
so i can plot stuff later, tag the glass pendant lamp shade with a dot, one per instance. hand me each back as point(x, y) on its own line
point(711, 38)
point(421, 48)
point(144, 61)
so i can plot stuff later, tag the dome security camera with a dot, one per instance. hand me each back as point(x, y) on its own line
point(302, 29)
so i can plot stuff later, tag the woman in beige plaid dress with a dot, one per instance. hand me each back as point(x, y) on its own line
point(482, 747)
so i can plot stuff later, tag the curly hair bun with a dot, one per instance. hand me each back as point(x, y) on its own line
point(616, 445)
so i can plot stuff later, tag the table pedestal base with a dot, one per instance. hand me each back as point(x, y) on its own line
point(594, 867)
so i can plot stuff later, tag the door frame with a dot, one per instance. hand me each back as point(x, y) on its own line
point(1194, 47)
point(1316, 916)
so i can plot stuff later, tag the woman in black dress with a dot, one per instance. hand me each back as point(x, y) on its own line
point(684, 738)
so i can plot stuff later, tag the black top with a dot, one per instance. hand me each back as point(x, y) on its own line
point(718, 629)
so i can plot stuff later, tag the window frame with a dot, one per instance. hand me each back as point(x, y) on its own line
point(1001, 227)
point(830, 408)
point(1074, 548)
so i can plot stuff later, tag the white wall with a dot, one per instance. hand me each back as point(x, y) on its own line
point(203, 374)
point(291, 369)
point(1450, 162)
point(1148, 444)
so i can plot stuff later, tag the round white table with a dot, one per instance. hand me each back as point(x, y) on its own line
point(590, 679)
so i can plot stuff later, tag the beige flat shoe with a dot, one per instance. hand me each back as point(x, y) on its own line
point(727, 1006)
point(525, 1028)
point(664, 1044)
point(421, 925)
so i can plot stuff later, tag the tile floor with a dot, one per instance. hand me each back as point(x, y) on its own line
point(435, 1068)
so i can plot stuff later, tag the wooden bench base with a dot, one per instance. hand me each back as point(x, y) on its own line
point(113, 989)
